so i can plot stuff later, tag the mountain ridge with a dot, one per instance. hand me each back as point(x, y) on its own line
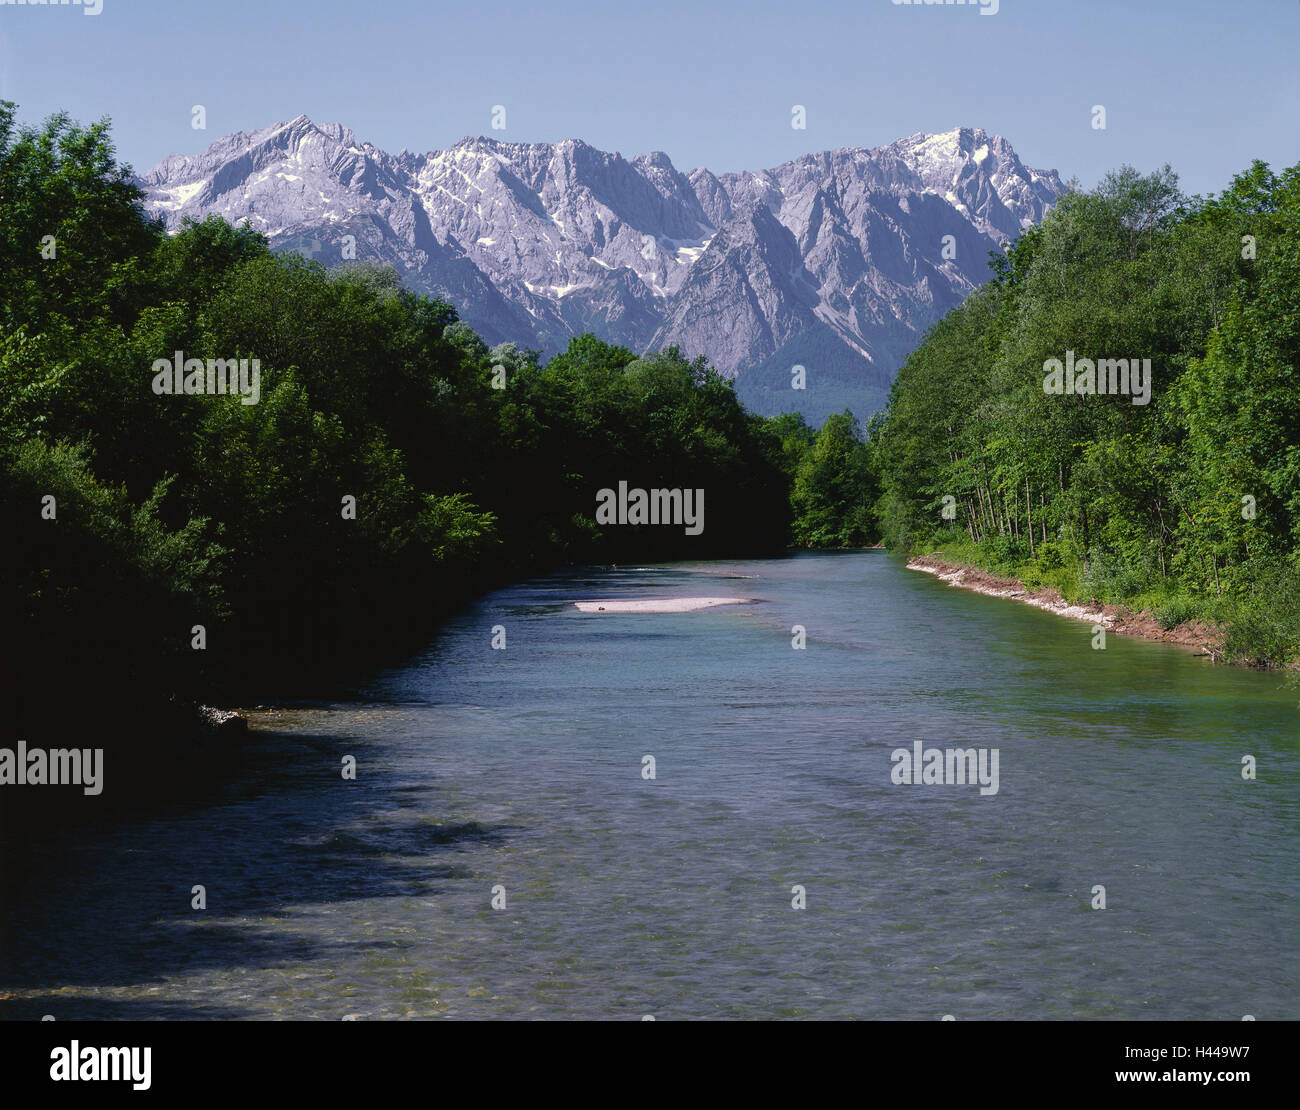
point(536, 242)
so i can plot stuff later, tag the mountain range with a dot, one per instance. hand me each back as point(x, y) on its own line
point(837, 261)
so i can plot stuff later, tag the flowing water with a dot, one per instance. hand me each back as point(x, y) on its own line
point(524, 768)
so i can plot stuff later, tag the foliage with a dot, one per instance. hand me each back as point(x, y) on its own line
point(174, 511)
point(1195, 495)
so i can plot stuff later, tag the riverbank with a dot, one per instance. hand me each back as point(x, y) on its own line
point(1202, 637)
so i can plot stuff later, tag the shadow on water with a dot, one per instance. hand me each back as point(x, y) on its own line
point(116, 1009)
point(274, 833)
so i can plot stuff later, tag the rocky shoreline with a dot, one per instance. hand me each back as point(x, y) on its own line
point(221, 723)
point(1202, 637)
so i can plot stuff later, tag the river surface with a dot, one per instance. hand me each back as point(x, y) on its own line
point(625, 896)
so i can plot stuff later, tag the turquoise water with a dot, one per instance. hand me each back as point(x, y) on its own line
point(626, 896)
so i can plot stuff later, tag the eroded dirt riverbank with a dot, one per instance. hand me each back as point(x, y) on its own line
point(1200, 636)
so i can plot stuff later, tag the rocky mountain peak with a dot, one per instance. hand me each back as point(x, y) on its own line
point(832, 260)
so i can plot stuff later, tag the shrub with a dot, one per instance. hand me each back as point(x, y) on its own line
point(1174, 611)
point(1264, 630)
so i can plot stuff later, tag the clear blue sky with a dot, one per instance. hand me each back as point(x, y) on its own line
point(1207, 85)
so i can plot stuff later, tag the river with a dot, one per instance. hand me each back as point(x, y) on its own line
point(523, 770)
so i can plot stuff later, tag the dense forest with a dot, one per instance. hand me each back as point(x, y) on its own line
point(163, 550)
point(391, 467)
point(1185, 504)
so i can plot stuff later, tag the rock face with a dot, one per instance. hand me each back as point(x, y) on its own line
point(834, 261)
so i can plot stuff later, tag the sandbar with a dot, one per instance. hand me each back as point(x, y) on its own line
point(659, 605)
